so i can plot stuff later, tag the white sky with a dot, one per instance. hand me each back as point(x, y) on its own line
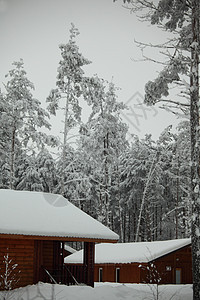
point(33, 29)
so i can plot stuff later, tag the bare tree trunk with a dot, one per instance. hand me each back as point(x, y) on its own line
point(124, 229)
point(195, 152)
point(106, 181)
point(120, 208)
point(177, 199)
point(121, 221)
point(149, 177)
point(156, 223)
point(12, 159)
point(129, 227)
point(161, 212)
point(66, 129)
point(147, 222)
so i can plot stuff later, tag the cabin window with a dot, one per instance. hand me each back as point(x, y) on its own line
point(178, 276)
point(100, 274)
point(117, 274)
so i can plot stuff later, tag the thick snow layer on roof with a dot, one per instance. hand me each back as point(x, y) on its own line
point(130, 252)
point(44, 214)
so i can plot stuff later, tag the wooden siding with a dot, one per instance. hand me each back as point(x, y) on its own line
point(32, 256)
point(166, 267)
point(21, 253)
point(48, 254)
point(128, 273)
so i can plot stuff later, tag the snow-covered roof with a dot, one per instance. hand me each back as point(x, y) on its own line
point(130, 252)
point(44, 214)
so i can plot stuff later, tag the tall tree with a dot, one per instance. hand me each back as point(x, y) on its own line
point(181, 180)
point(104, 137)
point(22, 116)
point(69, 90)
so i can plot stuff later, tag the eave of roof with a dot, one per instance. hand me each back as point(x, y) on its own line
point(54, 238)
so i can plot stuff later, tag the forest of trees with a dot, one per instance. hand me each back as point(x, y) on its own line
point(180, 19)
point(142, 189)
point(139, 188)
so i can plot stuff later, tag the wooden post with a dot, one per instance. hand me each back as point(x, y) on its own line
point(56, 255)
point(88, 261)
point(38, 261)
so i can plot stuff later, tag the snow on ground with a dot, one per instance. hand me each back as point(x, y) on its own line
point(101, 291)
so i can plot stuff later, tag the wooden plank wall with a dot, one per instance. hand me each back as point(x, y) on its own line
point(131, 273)
point(48, 255)
point(22, 253)
point(43, 257)
point(181, 259)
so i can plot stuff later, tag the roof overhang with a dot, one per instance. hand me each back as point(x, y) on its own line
point(54, 238)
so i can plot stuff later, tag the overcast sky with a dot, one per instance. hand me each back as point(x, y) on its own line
point(33, 29)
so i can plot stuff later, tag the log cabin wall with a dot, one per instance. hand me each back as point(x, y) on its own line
point(22, 253)
point(168, 266)
point(38, 261)
point(30, 256)
point(127, 273)
point(57, 257)
point(171, 268)
point(47, 255)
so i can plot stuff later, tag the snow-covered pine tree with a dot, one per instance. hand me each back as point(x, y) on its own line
point(28, 174)
point(177, 182)
point(46, 166)
point(22, 117)
point(103, 139)
point(68, 92)
point(142, 189)
point(181, 169)
point(170, 180)
point(4, 145)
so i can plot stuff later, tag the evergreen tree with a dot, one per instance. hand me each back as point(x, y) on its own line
point(46, 170)
point(181, 170)
point(103, 139)
point(69, 90)
point(21, 117)
point(28, 175)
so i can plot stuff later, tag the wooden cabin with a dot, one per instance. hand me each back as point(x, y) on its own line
point(34, 227)
point(161, 262)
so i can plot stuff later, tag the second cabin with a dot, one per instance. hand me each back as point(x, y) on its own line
point(159, 262)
